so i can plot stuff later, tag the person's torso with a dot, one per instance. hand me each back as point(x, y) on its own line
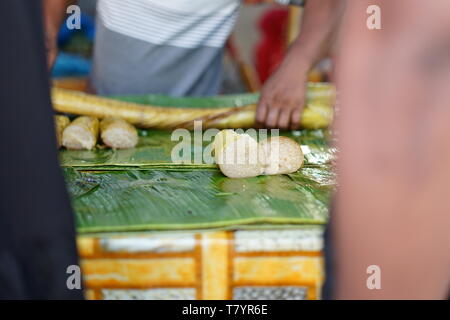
point(156, 46)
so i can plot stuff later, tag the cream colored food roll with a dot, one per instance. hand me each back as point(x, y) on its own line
point(241, 156)
point(237, 155)
point(118, 134)
point(282, 155)
point(61, 122)
point(81, 134)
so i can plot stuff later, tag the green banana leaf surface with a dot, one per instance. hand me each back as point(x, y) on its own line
point(133, 200)
point(141, 189)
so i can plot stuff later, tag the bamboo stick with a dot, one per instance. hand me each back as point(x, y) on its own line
point(317, 114)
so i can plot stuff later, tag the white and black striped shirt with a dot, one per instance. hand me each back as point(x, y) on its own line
point(180, 23)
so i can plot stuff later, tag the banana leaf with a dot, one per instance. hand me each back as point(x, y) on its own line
point(139, 200)
point(142, 190)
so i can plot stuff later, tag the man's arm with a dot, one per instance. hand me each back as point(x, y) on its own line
point(283, 96)
point(54, 12)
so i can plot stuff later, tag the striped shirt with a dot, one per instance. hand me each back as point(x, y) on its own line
point(170, 47)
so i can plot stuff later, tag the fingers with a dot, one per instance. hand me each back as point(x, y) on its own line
point(295, 118)
point(261, 112)
point(266, 114)
point(280, 105)
point(272, 118)
point(272, 114)
point(284, 119)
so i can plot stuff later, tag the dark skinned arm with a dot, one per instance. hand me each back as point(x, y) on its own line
point(54, 12)
point(283, 96)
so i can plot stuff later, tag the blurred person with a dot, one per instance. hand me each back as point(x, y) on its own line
point(283, 95)
point(37, 236)
point(154, 46)
point(394, 140)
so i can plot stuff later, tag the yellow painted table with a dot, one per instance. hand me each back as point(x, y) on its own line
point(242, 264)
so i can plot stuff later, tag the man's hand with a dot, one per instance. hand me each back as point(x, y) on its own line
point(283, 96)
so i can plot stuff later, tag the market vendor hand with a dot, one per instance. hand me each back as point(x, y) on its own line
point(283, 96)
